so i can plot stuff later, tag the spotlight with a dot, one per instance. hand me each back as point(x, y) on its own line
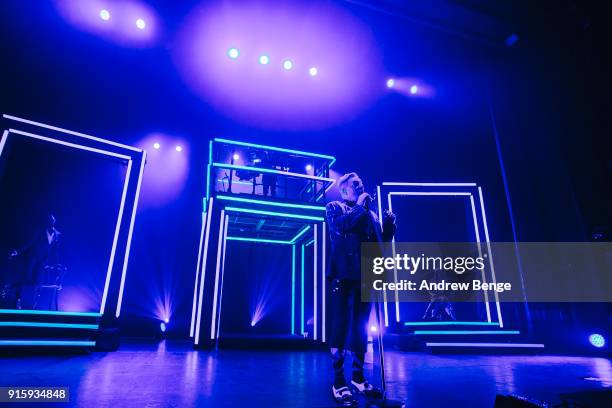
point(597, 340)
point(166, 321)
point(162, 327)
point(288, 65)
point(236, 156)
point(313, 71)
point(390, 83)
point(308, 167)
point(414, 89)
point(373, 328)
point(179, 148)
point(253, 323)
point(233, 53)
point(140, 23)
point(156, 145)
point(105, 15)
point(264, 59)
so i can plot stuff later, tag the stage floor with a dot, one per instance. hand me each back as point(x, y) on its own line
point(171, 374)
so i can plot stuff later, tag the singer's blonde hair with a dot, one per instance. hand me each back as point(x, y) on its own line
point(344, 179)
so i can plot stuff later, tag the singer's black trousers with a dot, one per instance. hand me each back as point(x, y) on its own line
point(347, 316)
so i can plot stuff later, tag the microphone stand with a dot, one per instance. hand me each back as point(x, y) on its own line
point(381, 350)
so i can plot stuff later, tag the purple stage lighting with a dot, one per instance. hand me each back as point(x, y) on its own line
point(140, 23)
point(412, 87)
point(105, 15)
point(308, 167)
point(373, 328)
point(162, 327)
point(233, 53)
point(297, 35)
point(236, 156)
point(166, 171)
point(597, 340)
point(264, 60)
point(94, 16)
point(288, 65)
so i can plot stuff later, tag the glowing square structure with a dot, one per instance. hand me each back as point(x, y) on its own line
point(296, 218)
point(134, 158)
point(473, 193)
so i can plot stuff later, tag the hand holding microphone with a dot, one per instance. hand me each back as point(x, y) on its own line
point(364, 199)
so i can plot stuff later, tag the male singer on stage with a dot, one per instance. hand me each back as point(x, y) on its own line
point(351, 222)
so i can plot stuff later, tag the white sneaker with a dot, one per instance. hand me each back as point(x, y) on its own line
point(344, 396)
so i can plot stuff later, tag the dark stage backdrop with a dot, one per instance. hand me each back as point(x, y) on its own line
point(83, 190)
point(557, 169)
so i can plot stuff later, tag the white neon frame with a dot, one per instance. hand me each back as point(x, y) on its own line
point(203, 273)
point(128, 175)
point(197, 276)
point(220, 268)
point(476, 229)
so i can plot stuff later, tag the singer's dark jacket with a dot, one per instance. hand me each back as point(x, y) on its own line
point(350, 225)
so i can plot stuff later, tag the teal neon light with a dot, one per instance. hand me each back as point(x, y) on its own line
point(52, 325)
point(274, 214)
point(47, 312)
point(451, 323)
point(272, 203)
point(272, 171)
point(309, 243)
point(79, 343)
point(292, 289)
point(467, 332)
point(299, 234)
point(266, 241)
point(278, 149)
point(302, 297)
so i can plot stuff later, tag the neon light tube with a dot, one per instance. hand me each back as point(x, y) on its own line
point(69, 144)
point(451, 323)
point(323, 282)
point(195, 286)
point(466, 332)
point(97, 139)
point(314, 268)
point(501, 345)
point(203, 269)
point(3, 141)
point(272, 171)
point(266, 241)
point(302, 297)
point(432, 193)
point(482, 272)
point(486, 229)
point(47, 343)
point(50, 325)
point(213, 321)
point(299, 234)
point(278, 149)
point(272, 203)
point(391, 183)
point(116, 237)
point(48, 312)
point(397, 308)
point(292, 289)
point(274, 214)
point(222, 272)
point(130, 231)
